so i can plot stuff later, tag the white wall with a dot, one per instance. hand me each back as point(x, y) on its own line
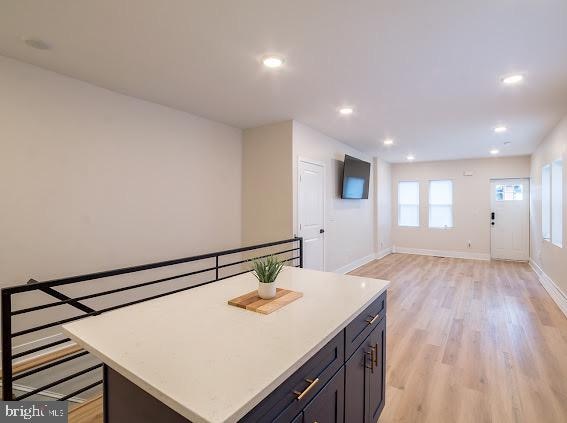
point(383, 209)
point(471, 203)
point(350, 226)
point(267, 183)
point(94, 180)
point(550, 258)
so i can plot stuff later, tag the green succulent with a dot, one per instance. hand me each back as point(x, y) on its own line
point(267, 269)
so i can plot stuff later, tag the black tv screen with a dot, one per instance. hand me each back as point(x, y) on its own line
point(356, 178)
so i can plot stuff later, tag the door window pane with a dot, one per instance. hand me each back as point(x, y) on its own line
point(512, 192)
point(408, 204)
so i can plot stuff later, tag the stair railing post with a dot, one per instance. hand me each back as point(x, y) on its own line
point(7, 382)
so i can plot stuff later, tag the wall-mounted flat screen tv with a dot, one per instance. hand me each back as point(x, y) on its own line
point(356, 178)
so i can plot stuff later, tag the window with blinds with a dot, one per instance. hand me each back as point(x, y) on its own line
point(441, 204)
point(408, 203)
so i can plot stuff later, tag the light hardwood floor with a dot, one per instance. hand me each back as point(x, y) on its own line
point(471, 341)
point(89, 412)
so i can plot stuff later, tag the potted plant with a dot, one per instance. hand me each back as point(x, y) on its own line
point(266, 271)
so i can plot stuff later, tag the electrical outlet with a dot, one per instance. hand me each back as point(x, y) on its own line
point(469, 243)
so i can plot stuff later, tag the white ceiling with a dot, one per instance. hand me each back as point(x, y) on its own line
point(425, 73)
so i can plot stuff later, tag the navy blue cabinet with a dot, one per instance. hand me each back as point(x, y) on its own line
point(342, 383)
point(377, 379)
point(328, 405)
point(365, 378)
point(356, 384)
point(291, 397)
point(361, 326)
point(298, 419)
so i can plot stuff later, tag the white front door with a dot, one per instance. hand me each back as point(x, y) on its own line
point(311, 213)
point(510, 219)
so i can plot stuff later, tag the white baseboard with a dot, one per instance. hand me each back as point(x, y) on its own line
point(383, 253)
point(441, 253)
point(355, 264)
point(555, 293)
point(362, 261)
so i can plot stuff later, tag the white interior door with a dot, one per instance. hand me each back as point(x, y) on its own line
point(311, 213)
point(510, 219)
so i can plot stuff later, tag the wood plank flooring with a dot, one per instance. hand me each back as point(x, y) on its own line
point(88, 412)
point(471, 341)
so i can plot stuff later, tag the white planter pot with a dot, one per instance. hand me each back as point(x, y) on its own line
point(267, 290)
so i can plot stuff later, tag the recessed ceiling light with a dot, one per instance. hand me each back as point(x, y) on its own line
point(512, 79)
point(346, 111)
point(36, 43)
point(494, 151)
point(500, 129)
point(410, 157)
point(272, 61)
point(388, 141)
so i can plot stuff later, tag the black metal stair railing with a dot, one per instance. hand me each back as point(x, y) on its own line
point(293, 255)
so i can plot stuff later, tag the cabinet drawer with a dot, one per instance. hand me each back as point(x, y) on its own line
point(362, 325)
point(284, 404)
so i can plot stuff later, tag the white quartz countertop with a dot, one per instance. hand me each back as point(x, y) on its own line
point(212, 362)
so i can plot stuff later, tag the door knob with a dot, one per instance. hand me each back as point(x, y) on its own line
point(321, 231)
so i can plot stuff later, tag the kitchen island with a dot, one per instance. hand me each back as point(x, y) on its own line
point(192, 357)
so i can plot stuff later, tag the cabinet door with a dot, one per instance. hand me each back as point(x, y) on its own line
point(328, 405)
point(377, 375)
point(365, 378)
point(357, 379)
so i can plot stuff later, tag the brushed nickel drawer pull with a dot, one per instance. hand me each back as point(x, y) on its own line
point(312, 383)
point(373, 319)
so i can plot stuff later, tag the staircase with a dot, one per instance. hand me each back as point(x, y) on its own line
point(90, 411)
point(186, 273)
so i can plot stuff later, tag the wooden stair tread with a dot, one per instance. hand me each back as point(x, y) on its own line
point(90, 411)
point(22, 366)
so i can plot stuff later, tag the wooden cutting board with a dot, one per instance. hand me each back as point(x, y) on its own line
point(253, 302)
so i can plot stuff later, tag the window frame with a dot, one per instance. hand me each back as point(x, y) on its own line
point(451, 205)
point(546, 203)
point(417, 205)
point(554, 198)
